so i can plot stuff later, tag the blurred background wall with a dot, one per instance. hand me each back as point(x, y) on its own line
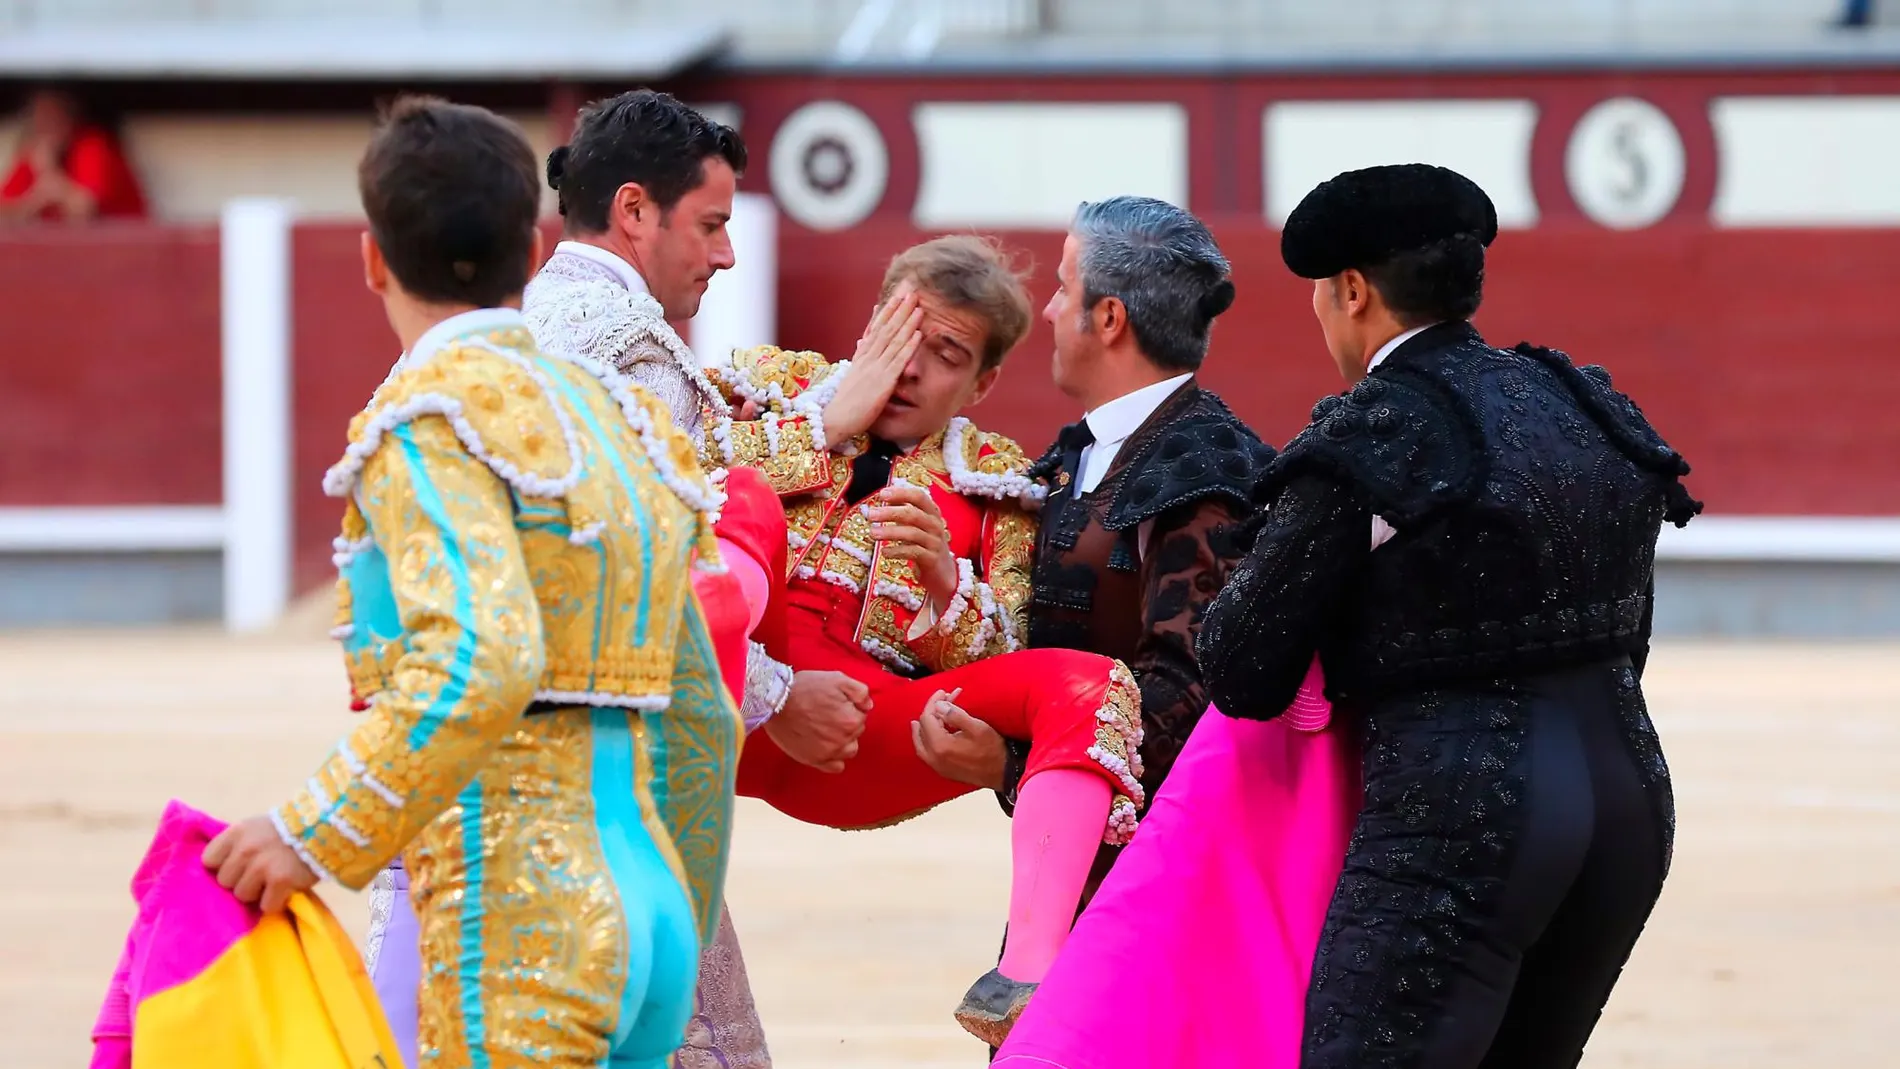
point(1702, 195)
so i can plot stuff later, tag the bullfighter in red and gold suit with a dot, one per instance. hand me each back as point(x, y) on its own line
point(911, 534)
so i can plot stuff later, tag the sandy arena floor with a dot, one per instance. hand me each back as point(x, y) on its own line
point(1773, 944)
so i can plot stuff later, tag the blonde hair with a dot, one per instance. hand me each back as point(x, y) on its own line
point(972, 273)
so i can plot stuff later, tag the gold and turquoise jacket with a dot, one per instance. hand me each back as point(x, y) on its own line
point(519, 529)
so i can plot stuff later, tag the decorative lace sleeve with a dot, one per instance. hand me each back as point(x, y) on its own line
point(767, 685)
point(667, 382)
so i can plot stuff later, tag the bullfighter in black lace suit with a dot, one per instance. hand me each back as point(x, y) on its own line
point(1467, 538)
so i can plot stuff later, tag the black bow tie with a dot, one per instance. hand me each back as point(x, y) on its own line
point(871, 471)
point(1072, 441)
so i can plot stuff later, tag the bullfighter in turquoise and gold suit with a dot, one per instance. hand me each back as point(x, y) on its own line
point(547, 739)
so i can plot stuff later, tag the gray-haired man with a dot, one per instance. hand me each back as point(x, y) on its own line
point(1145, 491)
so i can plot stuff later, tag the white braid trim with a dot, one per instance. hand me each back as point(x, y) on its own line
point(889, 654)
point(318, 795)
point(648, 307)
point(998, 487)
point(900, 594)
point(361, 771)
point(1132, 735)
point(343, 632)
point(345, 550)
point(857, 553)
point(1012, 638)
point(588, 535)
point(376, 787)
point(341, 479)
point(722, 437)
point(1123, 773)
point(990, 622)
point(816, 421)
point(769, 397)
point(303, 854)
point(774, 406)
point(811, 403)
point(698, 494)
point(348, 830)
point(645, 703)
point(839, 579)
point(960, 601)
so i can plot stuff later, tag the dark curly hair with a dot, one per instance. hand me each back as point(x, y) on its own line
point(640, 136)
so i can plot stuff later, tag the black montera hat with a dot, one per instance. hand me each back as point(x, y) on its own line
point(1362, 217)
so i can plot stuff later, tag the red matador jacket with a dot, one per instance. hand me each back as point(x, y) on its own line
point(977, 479)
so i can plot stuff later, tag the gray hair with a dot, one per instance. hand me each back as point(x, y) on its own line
point(1163, 265)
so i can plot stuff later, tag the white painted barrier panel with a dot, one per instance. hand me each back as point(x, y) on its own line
point(1488, 141)
point(1807, 161)
point(255, 312)
point(1030, 165)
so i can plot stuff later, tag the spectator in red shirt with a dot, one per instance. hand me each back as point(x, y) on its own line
point(67, 169)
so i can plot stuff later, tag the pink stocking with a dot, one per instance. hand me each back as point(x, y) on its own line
point(1060, 815)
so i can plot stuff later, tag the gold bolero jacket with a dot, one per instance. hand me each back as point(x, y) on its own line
point(979, 481)
point(519, 528)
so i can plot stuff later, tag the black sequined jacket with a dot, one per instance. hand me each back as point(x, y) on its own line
point(1187, 476)
point(1526, 495)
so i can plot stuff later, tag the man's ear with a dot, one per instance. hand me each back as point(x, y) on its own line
point(1110, 317)
point(375, 268)
point(1355, 292)
point(985, 382)
point(632, 207)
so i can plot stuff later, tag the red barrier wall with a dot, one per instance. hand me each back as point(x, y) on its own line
point(109, 366)
point(1767, 357)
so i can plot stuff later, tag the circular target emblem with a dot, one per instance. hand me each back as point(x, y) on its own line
point(829, 165)
point(1625, 164)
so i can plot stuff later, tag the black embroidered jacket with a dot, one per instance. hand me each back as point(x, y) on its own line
point(1526, 494)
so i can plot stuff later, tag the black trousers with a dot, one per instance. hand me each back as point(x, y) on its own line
point(1514, 839)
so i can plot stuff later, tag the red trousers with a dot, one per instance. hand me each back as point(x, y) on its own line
point(1077, 710)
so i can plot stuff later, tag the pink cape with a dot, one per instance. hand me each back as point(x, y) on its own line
point(1197, 949)
point(206, 980)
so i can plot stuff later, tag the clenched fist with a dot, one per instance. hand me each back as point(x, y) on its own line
point(822, 719)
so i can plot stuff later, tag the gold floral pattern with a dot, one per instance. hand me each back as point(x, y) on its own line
point(506, 595)
point(512, 872)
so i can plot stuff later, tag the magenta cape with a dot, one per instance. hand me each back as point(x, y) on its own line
point(1197, 949)
point(206, 980)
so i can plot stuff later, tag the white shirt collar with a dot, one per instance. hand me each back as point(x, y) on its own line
point(438, 337)
point(1113, 422)
point(1393, 346)
point(622, 270)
